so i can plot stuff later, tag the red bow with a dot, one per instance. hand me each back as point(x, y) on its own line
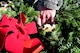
point(15, 34)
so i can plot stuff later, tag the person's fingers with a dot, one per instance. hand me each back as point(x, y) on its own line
point(44, 18)
point(52, 19)
point(53, 13)
point(48, 15)
point(41, 12)
point(39, 21)
point(40, 18)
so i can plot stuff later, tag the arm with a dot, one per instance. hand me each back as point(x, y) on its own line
point(51, 4)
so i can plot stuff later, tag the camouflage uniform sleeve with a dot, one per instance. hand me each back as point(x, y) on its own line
point(51, 4)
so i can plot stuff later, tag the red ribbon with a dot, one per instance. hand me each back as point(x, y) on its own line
point(15, 34)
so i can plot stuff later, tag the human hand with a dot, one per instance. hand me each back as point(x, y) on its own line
point(46, 16)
